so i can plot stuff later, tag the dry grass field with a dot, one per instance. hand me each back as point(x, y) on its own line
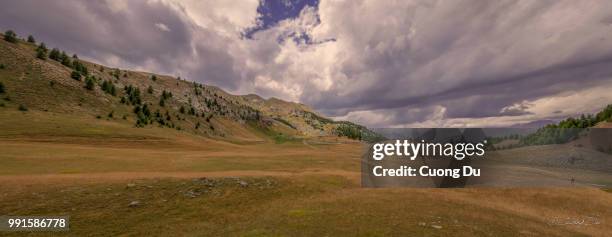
point(187, 185)
point(281, 174)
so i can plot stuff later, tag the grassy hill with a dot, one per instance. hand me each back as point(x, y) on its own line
point(36, 78)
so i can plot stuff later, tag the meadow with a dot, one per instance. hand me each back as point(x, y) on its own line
point(113, 179)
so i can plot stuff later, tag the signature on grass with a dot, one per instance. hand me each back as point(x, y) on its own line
point(586, 220)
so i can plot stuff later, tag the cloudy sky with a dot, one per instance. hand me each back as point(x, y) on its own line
point(379, 63)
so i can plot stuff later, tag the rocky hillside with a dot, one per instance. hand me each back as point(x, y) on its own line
point(34, 76)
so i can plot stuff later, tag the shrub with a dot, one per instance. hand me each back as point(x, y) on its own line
point(41, 54)
point(23, 108)
point(2, 66)
point(154, 78)
point(80, 67)
point(90, 83)
point(55, 54)
point(41, 51)
point(182, 110)
point(142, 115)
point(150, 90)
point(166, 95)
point(10, 36)
point(110, 115)
point(1, 87)
point(133, 95)
point(162, 102)
point(31, 39)
point(75, 75)
point(65, 59)
point(109, 87)
point(117, 73)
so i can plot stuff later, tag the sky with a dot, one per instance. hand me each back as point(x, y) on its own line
point(463, 63)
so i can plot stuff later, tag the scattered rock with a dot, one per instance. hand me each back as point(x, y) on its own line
point(134, 204)
point(244, 184)
point(131, 185)
point(436, 226)
point(422, 224)
point(192, 194)
point(206, 182)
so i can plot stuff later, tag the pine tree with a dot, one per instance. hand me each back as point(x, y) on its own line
point(89, 83)
point(10, 36)
point(66, 62)
point(41, 51)
point(31, 39)
point(55, 54)
point(75, 75)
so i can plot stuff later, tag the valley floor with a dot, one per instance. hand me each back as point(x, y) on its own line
point(186, 185)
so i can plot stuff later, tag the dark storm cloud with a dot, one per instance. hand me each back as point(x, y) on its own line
point(143, 34)
point(396, 63)
point(475, 60)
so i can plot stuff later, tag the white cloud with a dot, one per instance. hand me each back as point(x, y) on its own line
point(162, 27)
point(395, 63)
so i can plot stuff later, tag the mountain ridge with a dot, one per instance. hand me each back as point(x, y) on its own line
point(37, 78)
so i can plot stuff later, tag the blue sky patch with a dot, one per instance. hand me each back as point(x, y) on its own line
point(273, 11)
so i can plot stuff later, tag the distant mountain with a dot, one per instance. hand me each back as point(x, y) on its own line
point(534, 124)
point(34, 77)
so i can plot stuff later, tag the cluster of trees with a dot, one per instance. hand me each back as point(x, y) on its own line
point(90, 83)
point(61, 57)
point(143, 115)
point(197, 88)
point(10, 36)
point(164, 96)
point(132, 95)
point(108, 87)
point(357, 132)
point(352, 132)
point(79, 68)
point(41, 51)
point(566, 130)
